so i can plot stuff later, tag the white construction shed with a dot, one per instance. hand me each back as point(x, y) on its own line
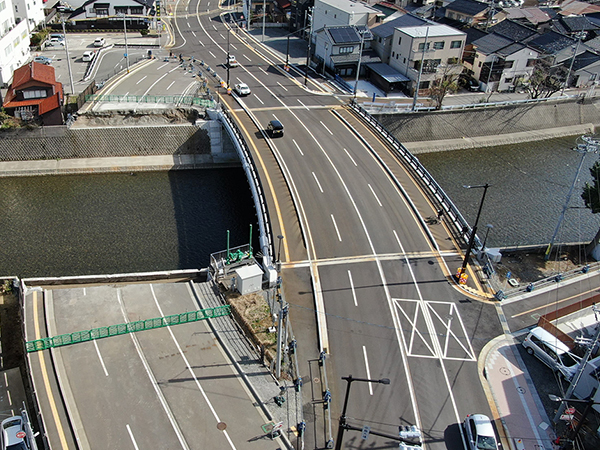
point(248, 279)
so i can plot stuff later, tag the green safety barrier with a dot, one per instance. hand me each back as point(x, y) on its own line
point(125, 328)
point(170, 99)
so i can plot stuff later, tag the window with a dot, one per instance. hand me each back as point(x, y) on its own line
point(7, 50)
point(335, 16)
point(346, 50)
point(379, 40)
point(479, 65)
point(508, 64)
point(16, 9)
point(2, 5)
point(424, 85)
point(399, 40)
point(422, 46)
point(393, 54)
point(452, 61)
point(530, 62)
point(508, 80)
point(438, 45)
point(137, 10)
point(121, 10)
point(35, 94)
point(593, 77)
point(405, 59)
point(456, 44)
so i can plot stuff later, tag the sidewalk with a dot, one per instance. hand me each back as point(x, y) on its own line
point(525, 425)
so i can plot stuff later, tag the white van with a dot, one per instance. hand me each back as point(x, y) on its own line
point(552, 352)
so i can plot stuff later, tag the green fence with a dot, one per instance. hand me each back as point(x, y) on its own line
point(168, 99)
point(125, 328)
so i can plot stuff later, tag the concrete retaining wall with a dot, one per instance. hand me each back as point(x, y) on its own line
point(449, 130)
point(100, 142)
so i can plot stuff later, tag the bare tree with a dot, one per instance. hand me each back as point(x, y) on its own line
point(447, 83)
point(545, 80)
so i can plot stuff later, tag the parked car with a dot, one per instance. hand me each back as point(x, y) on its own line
point(275, 128)
point(60, 37)
point(232, 61)
point(99, 42)
point(88, 56)
point(43, 60)
point(468, 82)
point(13, 434)
point(551, 351)
point(241, 89)
point(480, 434)
point(55, 42)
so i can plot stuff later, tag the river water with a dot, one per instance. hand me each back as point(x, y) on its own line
point(529, 187)
point(116, 223)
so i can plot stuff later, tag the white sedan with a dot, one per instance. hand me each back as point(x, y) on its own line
point(241, 89)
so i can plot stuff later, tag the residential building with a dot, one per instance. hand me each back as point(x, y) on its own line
point(422, 53)
point(331, 13)
point(30, 10)
point(470, 12)
point(338, 49)
point(501, 64)
point(383, 33)
point(105, 12)
point(14, 41)
point(585, 70)
point(35, 94)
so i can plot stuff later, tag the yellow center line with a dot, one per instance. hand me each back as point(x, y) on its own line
point(555, 303)
point(38, 335)
point(269, 182)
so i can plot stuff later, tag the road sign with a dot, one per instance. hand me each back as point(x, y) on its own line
point(570, 410)
point(365, 432)
point(567, 417)
point(508, 274)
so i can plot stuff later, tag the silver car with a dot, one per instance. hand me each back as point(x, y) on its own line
point(13, 434)
point(480, 433)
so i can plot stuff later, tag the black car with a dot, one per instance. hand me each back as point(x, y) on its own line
point(275, 128)
point(469, 83)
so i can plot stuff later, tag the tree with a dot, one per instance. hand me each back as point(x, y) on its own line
point(446, 84)
point(545, 80)
point(591, 199)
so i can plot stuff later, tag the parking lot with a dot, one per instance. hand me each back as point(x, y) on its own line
point(108, 59)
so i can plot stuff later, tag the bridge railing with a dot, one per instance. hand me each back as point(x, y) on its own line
point(167, 99)
point(265, 239)
point(432, 189)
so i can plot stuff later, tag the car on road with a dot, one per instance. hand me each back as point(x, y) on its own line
point(42, 60)
point(241, 89)
point(13, 434)
point(480, 434)
point(99, 42)
point(88, 56)
point(232, 62)
point(551, 351)
point(275, 128)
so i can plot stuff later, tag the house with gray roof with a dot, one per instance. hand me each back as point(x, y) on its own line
point(467, 11)
point(500, 64)
point(384, 32)
point(585, 70)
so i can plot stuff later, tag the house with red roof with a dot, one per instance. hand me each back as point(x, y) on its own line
point(35, 95)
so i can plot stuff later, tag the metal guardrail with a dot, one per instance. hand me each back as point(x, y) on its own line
point(125, 328)
point(436, 194)
point(167, 99)
point(266, 234)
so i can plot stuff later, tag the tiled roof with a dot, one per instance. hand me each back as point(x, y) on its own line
point(473, 34)
point(513, 30)
point(577, 23)
point(584, 60)
point(33, 71)
point(386, 29)
point(570, 7)
point(468, 7)
point(550, 42)
point(533, 15)
point(491, 43)
point(31, 75)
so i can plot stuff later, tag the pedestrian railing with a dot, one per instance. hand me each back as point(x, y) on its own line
point(125, 328)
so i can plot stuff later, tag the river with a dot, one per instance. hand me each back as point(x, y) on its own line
point(529, 187)
point(117, 223)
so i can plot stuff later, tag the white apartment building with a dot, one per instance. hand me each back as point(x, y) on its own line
point(438, 48)
point(30, 10)
point(14, 40)
point(332, 13)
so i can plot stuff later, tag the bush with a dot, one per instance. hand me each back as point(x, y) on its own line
point(144, 32)
point(38, 38)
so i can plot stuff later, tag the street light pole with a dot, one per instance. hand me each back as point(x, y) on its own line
point(228, 58)
point(342, 421)
point(126, 49)
point(68, 58)
point(474, 230)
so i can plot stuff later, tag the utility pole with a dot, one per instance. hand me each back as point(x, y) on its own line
point(414, 105)
point(309, 16)
point(68, 59)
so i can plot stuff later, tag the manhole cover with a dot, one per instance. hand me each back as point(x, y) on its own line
point(316, 380)
point(504, 371)
point(521, 390)
point(221, 426)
